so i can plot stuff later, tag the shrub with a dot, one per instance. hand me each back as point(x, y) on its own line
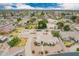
point(55, 33)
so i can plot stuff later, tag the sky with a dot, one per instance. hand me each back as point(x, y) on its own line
point(57, 6)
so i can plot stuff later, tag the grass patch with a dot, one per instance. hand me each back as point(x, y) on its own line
point(68, 43)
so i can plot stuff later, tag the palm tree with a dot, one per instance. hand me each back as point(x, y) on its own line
point(33, 51)
point(35, 43)
point(41, 52)
point(46, 52)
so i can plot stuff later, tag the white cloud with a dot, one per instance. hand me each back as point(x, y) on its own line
point(70, 6)
point(23, 6)
point(8, 7)
point(18, 6)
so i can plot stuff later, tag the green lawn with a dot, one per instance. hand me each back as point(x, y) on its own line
point(68, 43)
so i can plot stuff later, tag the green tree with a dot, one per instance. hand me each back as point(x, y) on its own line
point(19, 19)
point(60, 25)
point(73, 18)
point(77, 49)
point(42, 13)
point(32, 14)
point(14, 41)
point(63, 14)
point(42, 25)
point(66, 28)
point(45, 20)
point(12, 14)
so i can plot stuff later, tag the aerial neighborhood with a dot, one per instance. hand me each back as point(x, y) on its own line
point(38, 32)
